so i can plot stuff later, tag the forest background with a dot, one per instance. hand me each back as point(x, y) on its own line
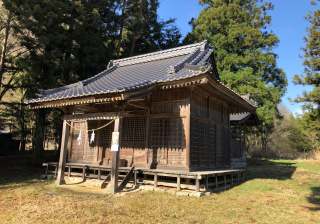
point(48, 44)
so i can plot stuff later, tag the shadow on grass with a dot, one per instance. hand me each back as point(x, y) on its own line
point(17, 171)
point(314, 198)
point(265, 169)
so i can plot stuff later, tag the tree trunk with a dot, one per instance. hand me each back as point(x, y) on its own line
point(38, 149)
point(137, 29)
point(120, 35)
point(68, 50)
point(4, 47)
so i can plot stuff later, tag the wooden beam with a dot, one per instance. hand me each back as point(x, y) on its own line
point(63, 154)
point(94, 116)
point(140, 105)
point(113, 186)
point(90, 108)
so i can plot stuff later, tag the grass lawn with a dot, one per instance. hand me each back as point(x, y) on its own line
point(275, 191)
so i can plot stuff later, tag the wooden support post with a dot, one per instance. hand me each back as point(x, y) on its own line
point(231, 178)
point(197, 184)
point(113, 186)
point(63, 154)
point(135, 177)
point(84, 172)
point(69, 171)
point(207, 182)
point(155, 182)
point(216, 180)
point(242, 176)
point(56, 170)
point(224, 180)
point(99, 173)
point(147, 143)
point(47, 169)
point(238, 176)
point(178, 182)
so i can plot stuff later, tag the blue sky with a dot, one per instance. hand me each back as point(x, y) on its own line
point(287, 23)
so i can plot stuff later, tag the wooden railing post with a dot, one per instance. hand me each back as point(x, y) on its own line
point(63, 154)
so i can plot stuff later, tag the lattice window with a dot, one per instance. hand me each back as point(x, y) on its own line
point(134, 129)
point(106, 132)
point(212, 144)
point(194, 154)
point(177, 139)
point(128, 129)
point(203, 144)
point(219, 142)
point(140, 129)
point(158, 139)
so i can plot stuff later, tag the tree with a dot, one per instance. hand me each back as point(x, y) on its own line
point(9, 52)
point(311, 73)
point(67, 41)
point(309, 120)
point(144, 32)
point(311, 62)
point(236, 29)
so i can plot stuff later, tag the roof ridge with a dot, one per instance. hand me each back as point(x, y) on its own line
point(163, 54)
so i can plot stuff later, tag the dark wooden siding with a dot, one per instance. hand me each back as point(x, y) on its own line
point(210, 131)
point(167, 141)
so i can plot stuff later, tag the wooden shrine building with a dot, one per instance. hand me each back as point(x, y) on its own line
point(170, 108)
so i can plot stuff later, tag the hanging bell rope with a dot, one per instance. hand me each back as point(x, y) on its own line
point(95, 128)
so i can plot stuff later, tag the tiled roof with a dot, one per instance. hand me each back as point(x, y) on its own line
point(242, 117)
point(139, 71)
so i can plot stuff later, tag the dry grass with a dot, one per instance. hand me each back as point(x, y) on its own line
point(276, 191)
point(317, 155)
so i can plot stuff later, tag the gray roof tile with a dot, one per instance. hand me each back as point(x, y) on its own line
point(137, 72)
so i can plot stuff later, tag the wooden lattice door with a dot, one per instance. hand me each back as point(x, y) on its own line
point(77, 144)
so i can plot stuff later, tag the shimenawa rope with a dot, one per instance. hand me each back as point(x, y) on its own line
point(95, 128)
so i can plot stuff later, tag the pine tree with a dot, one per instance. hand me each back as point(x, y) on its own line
point(152, 33)
point(236, 29)
point(311, 76)
point(67, 41)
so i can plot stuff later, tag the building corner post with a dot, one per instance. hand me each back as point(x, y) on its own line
point(113, 186)
point(63, 154)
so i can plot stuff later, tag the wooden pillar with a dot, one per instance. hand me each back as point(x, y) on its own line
point(207, 182)
point(216, 179)
point(178, 182)
point(99, 173)
point(84, 172)
point(187, 130)
point(147, 143)
point(231, 178)
point(69, 171)
point(224, 179)
point(155, 181)
point(135, 177)
point(113, 186)
point(197, 184)
point(188, 142)
point(63, 154)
